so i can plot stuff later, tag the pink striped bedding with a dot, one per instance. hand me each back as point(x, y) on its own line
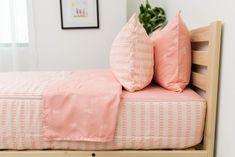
point(149, 119)
point(131, 56)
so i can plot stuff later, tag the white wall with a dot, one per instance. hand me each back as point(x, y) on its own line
point(199, 13)
point(72, 49)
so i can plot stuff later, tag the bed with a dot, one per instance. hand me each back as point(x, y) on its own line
point(168, 126)
point(153, 118)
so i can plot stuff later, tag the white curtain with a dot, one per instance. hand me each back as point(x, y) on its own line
point(17, 48)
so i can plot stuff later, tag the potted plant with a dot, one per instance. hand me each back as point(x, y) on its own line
point(152, 18)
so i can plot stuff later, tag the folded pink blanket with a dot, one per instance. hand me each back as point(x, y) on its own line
point(83, 107)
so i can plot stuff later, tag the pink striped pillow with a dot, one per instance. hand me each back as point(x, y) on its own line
point(131, 56)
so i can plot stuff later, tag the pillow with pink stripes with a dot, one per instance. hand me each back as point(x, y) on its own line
point(131, 57)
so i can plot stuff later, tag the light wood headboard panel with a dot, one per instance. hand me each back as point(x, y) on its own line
point(208, 82)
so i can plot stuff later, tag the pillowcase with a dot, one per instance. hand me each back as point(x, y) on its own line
point(172, 55)
point(131, 57)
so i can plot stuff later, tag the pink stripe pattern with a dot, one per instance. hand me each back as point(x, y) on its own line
point(132, 139)
point(144, 122)
point(131, 56)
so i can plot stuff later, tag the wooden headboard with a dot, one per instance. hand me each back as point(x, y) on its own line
point(205, 74)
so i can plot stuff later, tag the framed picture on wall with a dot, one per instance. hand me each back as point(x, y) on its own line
point(78, 14)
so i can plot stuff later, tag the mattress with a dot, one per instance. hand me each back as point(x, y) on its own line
point(153, 118)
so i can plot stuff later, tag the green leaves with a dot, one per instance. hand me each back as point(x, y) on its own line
point(151, 18)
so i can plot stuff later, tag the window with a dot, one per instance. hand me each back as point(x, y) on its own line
point(13, 22)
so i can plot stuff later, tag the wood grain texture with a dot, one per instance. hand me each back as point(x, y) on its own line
point(199, 80)
point(209, 83)
point(212, 86)
point(200, 58)
point(104, 154)
point(200, 34)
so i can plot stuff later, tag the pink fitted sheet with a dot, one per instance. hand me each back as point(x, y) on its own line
point(156, 93)
point(153, 118)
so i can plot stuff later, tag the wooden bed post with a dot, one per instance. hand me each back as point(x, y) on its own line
point(209, 59)
point(212, 86)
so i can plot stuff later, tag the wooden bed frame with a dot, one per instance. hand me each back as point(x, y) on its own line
point(208, 82)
